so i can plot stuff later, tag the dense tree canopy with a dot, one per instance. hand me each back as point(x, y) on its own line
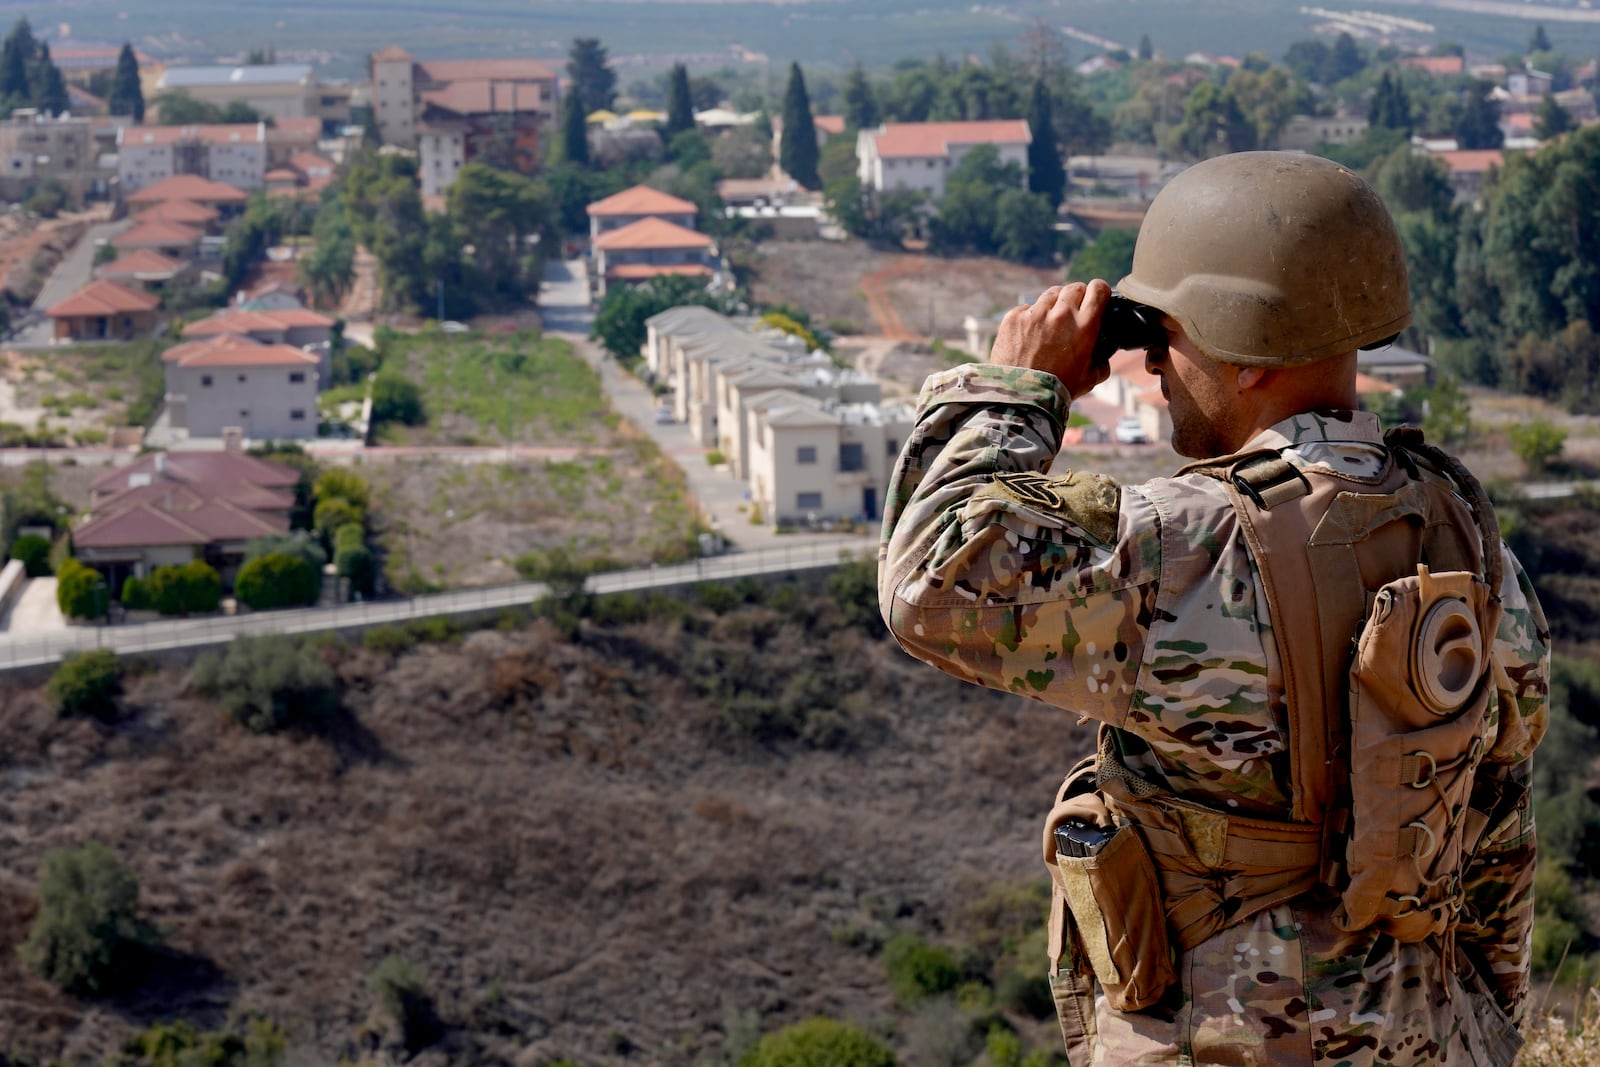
point(594, 83)
point(797, 150)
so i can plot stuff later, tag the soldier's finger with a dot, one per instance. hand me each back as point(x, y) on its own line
point(1066, 303)
point(1046, 301)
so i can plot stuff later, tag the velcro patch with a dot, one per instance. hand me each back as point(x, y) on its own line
point(1090, 501)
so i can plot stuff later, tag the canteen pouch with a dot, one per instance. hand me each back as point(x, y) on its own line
point(1417, 735)
point(1115, 903)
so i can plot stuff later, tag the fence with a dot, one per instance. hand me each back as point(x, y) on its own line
point(25, 650)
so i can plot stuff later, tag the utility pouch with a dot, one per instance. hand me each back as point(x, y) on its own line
point(1417, 735)
point(1115, 902)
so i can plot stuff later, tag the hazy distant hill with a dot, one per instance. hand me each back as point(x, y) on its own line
point(340, 33)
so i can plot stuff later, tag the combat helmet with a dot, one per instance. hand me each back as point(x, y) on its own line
point(1272, 259)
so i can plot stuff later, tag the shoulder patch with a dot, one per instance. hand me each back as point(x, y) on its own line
point(1090, 501)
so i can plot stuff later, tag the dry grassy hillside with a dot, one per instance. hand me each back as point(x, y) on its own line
point(608, 849)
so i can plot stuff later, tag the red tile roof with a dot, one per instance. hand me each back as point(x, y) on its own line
point(926, 139)
point(157, 233)
point(104, 298)
point(298, 129)
point(149, 525)
point(392, 53)
point(197, 468)
point(183, 211)
point(189, 187)
point(140, 261)
point(1439, 66)
point(211, 133)
point(177, 496)
point(832, 125)
point(642, 200)
point(454, 70)
point(312, 165)
point(487, 98)
point(281, 174)
point(236, 321)
point(231, 350)
point(1472, 160)
point(651, 233)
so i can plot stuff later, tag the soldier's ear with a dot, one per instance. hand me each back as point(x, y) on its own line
point(1250, 377)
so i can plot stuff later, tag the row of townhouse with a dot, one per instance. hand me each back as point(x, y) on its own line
point(811, 442)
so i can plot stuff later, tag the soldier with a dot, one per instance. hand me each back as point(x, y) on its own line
point(1285, 851)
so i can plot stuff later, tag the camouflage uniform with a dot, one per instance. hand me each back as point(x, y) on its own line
point(1141, 608)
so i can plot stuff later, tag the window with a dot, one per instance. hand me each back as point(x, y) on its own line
point(205, 380)
point(244, 413)
point(805, 454)
point(894, 447)
point(297, 414)
point(852, 458)
point(296, 377)
point(243, 378)
point(808, 501)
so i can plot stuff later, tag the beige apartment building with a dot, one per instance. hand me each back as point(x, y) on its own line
point(811, 442)
point(276, 90)
point(405, 90)
point(36, 148)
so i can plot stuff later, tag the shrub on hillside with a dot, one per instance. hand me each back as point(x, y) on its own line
point(86, 683)
point(917, 969)
point(88, 925)
point(194, 587)
point(356, 565)
point(34, 553)
point(819, 1043)
point(269, 683)
point(298, 543)
point(341, 484)
point(335, 514)
point(396, 398)
point(179, 1044)
point(80, 591)
point(402, 991)
point(277, 580)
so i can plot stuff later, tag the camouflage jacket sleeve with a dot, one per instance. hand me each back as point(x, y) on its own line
point(1000, 574)
point(1497, 921)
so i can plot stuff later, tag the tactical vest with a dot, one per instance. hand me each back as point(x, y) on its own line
point(1383, 595)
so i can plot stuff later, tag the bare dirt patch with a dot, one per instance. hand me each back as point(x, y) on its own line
point(852, 288)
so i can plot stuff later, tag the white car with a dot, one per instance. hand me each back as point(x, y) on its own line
point(1129, 431)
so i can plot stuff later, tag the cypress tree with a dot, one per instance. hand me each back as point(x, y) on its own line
point(49, 88)
point(1045, 173)
point(860, 106)
point(16, 59)
point(680, 108)
point(797, 149)
point(126, 96)
point(574, 132)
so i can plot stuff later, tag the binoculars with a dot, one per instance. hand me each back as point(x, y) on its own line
point(1127, 324)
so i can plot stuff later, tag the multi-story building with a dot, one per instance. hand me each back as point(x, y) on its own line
point(235, 154)
point(274, 90)
point(918, 156)
point(265, 391)
point(36, 148)
point(650, 248)
point(811, 442)
point(640, 202)
point(1305, 132)
point(488, 105)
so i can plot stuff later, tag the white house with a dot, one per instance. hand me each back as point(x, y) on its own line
point(919, 155)
point(235, 154)
point(266, 391)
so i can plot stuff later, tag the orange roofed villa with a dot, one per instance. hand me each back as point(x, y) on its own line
point(105, 310)
point(642, 233)
point(920, 155)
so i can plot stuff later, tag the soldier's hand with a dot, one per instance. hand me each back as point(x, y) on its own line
point(1056, 334)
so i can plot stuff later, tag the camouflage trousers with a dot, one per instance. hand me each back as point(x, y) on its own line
point(1289, 988)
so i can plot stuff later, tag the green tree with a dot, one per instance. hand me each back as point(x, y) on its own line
point(1448, 419)
point(680, 106)
point(33, 552)
point(396, 398)
point(594, 83)
point(1046, 176)
point(918, 970)
point(194, 587)
point(49, 88)
point(328, 268)
point(969, 212)
point(17, 56)
point(384, 207)
point(1024, 227)
point(80, 591)
point(1539, 42)
point(127, 95)
point(343, 484)
point(1147, 50)
point(797, 148)
point(860, 103)
point(1108, 256)
point(1213, 124)
point(573, 147)
point(619, 324)
point(1537, 442)
point(1391, 107)
point(1479, 123)
point(508, 221)
point(1551, 120)
point(86, 683)
point(277, 580)
point(819, 1043)
point(87, 928)
point(269, 683)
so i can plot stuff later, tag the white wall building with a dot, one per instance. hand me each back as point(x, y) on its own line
point(267, 391)
point(920, 155)
point(274, 90)
point(234, 154)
